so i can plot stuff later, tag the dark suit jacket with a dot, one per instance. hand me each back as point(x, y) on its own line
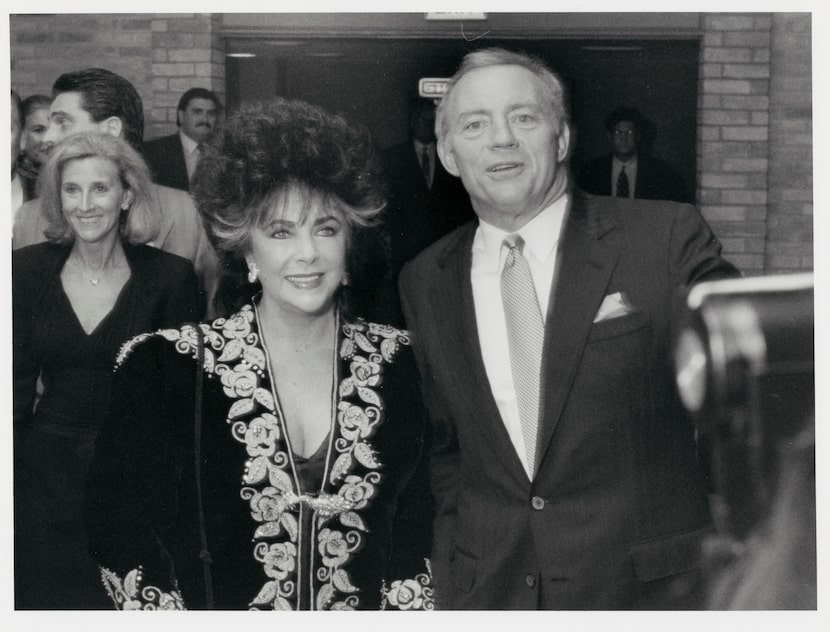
point(165, 157)
point(617, 502)
point(656, 180)
point(417, 216)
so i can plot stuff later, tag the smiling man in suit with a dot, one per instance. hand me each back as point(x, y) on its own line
point(173, 159)
point(563, 472)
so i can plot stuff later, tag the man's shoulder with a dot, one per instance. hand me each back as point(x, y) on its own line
point(624, 212)
point(28, 225)
point(597, 162)
point(174, 200)
point(437, 254)
point(162, 142)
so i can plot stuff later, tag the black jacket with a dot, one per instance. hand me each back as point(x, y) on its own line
point(143, 495)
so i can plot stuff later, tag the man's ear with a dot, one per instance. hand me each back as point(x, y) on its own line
point(563, 142)
point(112, 125)
point(447, 157)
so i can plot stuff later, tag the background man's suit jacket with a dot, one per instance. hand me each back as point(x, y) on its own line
point(415, 215)
point(617, 506)
point(165, 157)
point(656, 180)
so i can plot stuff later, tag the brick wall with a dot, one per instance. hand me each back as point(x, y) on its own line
point(789, 244)
point(754, 142)
point(161, 55)
point(187, 53)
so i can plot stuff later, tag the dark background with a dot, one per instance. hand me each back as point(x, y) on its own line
point(371, 80)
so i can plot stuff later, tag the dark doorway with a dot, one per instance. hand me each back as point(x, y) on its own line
point(370, 81)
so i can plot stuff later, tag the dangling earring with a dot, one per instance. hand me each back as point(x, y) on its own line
point(345, 280)
point(253, 273)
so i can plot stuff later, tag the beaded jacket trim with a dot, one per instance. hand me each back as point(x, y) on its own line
point(234, 353)
point(127, 594)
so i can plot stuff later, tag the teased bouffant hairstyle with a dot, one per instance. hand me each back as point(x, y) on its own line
point(265, 149)
point(139, 224)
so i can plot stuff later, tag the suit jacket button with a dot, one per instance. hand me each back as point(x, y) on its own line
point(530, 580)
point(537, 503)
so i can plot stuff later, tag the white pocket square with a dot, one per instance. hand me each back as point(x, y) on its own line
point(613, 306)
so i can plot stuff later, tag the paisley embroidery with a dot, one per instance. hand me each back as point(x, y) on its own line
point(128, 594)
point(234, 354)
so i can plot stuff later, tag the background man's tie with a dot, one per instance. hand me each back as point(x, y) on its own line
point(525, 336)
point(425, 165)
point(622, 184)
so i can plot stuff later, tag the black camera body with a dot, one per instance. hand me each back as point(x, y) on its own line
point(744, 364)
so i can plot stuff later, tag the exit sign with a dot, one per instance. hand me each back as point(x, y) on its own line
point(432, 87)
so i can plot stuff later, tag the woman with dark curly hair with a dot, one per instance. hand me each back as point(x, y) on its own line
point(284, 468)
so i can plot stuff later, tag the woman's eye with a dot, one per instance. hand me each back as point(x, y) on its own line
point(101, 189)
point(327, 231)
point(474, 126)
point(525, 118)
point(70, 189)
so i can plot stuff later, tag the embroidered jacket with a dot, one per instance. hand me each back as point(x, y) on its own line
point(358, 542)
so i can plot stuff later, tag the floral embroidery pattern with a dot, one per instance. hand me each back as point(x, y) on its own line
point(411, 594)
point(128, 594)
point(234, 354)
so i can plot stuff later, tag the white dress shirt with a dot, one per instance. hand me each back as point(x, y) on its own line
point(630, 171)
point(191, 153)
point(541, 236)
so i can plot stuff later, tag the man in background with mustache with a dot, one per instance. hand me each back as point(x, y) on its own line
point(173, 159)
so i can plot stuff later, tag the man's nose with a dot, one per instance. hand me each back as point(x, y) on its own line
point(502, 133)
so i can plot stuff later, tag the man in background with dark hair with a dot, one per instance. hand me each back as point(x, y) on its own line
point(629, 172)
point(97, 100)
point(173, 159)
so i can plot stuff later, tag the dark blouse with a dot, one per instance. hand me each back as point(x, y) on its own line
point(53, 444)
point(359, 542)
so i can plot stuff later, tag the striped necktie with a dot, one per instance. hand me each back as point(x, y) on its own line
point(525, 337)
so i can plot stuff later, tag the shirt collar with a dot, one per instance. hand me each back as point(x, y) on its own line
point(419, 146)
point(188, 143)
point(629, 164)
point(541, 234)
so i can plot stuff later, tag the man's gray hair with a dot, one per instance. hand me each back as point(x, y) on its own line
point(486, 57)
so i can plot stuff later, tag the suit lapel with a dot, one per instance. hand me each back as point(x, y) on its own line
point(453, 300)
point(584, 268)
